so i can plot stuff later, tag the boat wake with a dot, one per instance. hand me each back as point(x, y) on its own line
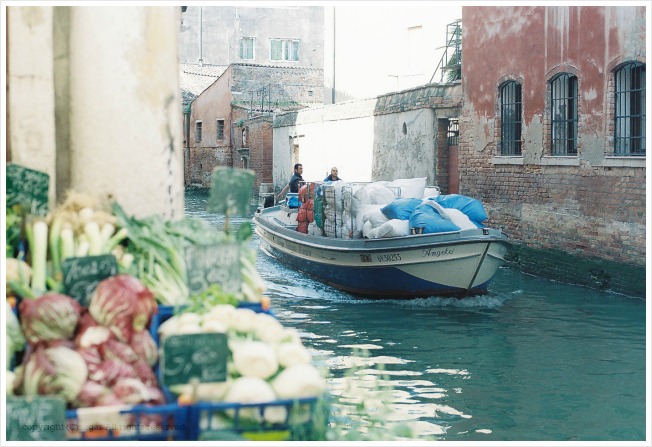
point(488, 301)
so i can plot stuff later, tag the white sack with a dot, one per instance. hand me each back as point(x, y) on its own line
point(395, 228)
point(376, 217)
point(366, 228)
point(430, 193)
point(373, 193)
point(362, 211)
point(411, 188)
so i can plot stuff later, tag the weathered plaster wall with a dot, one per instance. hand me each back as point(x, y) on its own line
point(592, 205)
point(340, 135)
point(95, 102)
point(125, 107)
point(365, 138)
point(404, 145)
point(30, 98)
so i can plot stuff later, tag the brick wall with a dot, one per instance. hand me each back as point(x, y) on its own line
point(590, 207)
point(259, 145)
point(286, 88)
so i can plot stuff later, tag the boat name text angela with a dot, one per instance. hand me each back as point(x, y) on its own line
point(429, 252)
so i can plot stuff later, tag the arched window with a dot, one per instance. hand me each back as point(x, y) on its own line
point(629, 125)
point(510, 118)
point(563, 114)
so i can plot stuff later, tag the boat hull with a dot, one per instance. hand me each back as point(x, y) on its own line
point(458, 263)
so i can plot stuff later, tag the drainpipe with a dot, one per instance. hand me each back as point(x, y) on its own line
point(333, 91)
point(201, 41)
point(187, 168)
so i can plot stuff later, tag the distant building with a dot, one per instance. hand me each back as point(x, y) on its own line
point(275, 59)
point(291, 36)
point(229, 123)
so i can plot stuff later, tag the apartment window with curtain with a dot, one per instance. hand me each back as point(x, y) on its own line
point(284, 50)
point(629, 125)
point(563, 111)
point(510, 118)
point(198, 131)
point(220, 130)
point(247, 48)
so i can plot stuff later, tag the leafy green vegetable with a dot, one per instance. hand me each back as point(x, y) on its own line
point(158, 247)
point(14, 222)
point(214, 295)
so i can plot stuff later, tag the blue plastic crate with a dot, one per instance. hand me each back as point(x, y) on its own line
point(169, 422)
point(202, 423)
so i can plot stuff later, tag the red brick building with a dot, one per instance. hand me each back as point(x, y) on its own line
point(552, 133)
point(240, 103)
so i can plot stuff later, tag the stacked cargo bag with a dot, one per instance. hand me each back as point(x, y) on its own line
point(319, 209)
point(350, 205)
point(333, 208)
point(411, 188)
point(366, 204)
point(426, 219)
point(468, 205)
point(306, 213)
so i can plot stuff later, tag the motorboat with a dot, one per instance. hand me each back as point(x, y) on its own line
point(452, 263)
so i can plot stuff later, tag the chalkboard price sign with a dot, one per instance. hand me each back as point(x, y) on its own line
point(194, 356)
point(82, 275)
point(209, 264)
point(27, 187)
point(40, 418)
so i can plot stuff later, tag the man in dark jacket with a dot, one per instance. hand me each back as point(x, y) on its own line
point(293, 184)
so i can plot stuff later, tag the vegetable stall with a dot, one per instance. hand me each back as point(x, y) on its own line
point(138, 328)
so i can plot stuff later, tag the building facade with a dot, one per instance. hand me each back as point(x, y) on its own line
point(291, 36)
point(552, 135)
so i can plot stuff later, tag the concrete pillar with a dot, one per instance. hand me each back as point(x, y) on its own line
point(30, 93)
point(125, 107)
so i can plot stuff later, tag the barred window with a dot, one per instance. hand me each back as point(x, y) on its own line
point(629, 129)
point(563, 110)
point(220, 130)
point(510, 118)
point(198, 131)
point(247, 48)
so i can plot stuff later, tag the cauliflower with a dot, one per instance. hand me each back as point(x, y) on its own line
point(268, 329)
point(243, 320)
point(292, 353)
point(255, 390)
point(254, 359)
point(298, 381)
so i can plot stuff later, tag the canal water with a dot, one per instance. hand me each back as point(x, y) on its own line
point(533, 360)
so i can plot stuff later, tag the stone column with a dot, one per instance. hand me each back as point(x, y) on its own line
point(125, 107)
point(30, 94)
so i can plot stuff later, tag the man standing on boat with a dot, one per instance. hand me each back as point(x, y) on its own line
point(293, 184)
point(333, 177)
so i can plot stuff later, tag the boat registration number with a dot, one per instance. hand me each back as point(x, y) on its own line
point(391, 257)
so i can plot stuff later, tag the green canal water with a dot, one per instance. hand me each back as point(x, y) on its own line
point(533, 360)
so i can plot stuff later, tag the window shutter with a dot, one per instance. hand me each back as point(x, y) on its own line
point(277, 47)
point(294, 50)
